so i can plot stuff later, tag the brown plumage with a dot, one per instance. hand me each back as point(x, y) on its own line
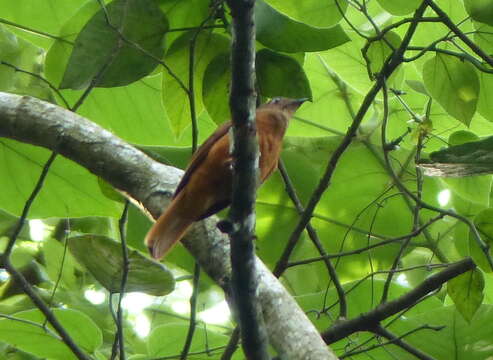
point(206, 185)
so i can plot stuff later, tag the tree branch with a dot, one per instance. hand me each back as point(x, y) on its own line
point(370, 320)
point(242, 101)
point(150, 184)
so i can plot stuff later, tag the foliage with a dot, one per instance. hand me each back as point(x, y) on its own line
point(134, 67)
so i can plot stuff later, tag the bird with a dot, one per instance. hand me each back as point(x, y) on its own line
point(206, 186)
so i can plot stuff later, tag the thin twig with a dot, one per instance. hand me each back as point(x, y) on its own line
point(119, 336)
point(291, 191)
point(193, 313)
point(27, 206)
point(396, 340)
point(232, 345)
point(37, 76)
point(33, 323)
point(34, 31)
point(369, 247)
point(60, 272)
point(419, 188)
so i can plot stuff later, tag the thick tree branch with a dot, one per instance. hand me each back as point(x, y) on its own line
point(151, 184)
point(370, 320)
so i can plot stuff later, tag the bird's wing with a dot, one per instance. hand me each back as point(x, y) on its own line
point(201, 154)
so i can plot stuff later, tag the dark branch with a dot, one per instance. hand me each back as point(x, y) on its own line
point(242, 101)
point(316, 241)
point(368, 321)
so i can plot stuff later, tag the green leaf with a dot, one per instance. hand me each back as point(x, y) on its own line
point(480, 10)
point(59, 53)
point(454, 84)
point(457, 340)
point(207, 47)
point(184, 14)
point(167, 340)
point(100, 54)
point(417, 86)
point(399, 7)
point(281, 33)
point(483, 37)
point(312, 12)
point(380, 50)
point(467, 292)
point(486, 89)
point(462, 137)
point(102, 257)
point(45, 16)
point(17, 52)
point(484, 223)
point(37, 341)
point(69, 190)
point(110, 192)
point(281, 75)
point(8, 223)
point(215, 89)
point(59, 263)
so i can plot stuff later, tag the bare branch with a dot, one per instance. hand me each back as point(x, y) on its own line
point(371, 319)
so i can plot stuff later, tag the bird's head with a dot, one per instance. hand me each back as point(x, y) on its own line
point(287, 105)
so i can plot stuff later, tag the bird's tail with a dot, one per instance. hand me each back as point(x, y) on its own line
point(167, 230)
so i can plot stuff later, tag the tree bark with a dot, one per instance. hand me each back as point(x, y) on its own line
point(150, 184)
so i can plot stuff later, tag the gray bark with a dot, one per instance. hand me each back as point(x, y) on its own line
point(150, 184)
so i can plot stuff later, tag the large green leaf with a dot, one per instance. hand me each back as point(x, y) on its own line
point(281, 33)
point(486, 89)
point(100, 56)
point(102, 256)
point(207, 46)
point(184, 14)
point(480, 10)
point(167, 340)
point(454, 84)
point(399, 7)
point(312, 12)
point(467, 292)
point(215, 89)
point(37, 341)
point(280, 75)
point(380, 50)
point(484, 224)
point(17, 52)
point(69, 189)
point(60, 51)
point(44, 16)
point(470, 341)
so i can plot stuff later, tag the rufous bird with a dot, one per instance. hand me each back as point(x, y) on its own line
point(206, 186)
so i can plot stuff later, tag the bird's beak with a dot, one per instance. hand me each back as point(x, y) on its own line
point(296, 103)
